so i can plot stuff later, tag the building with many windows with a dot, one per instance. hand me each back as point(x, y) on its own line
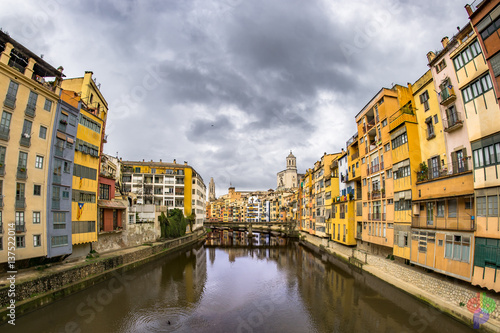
point(29, 109)
point(88, 149)
point(166, 184)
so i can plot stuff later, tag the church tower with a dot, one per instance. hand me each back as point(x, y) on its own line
point(211, 190)
point(291, 162)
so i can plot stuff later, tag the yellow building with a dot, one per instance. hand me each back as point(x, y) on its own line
point(29, 109)
point(482, 114)
point(405, 156)
point(442, 203)
point(88, 148)
point(354, 179)
point(375, 143)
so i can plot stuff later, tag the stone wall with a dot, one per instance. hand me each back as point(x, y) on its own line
point(88, 273)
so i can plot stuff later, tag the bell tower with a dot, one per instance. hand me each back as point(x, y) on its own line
point(291, 162)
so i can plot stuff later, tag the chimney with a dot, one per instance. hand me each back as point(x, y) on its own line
point(430, 56)
point(445, 41)
point(185, 163)
point(174, 161)
point(143, 160)
point(469, 10)
point(342, 150)
point(160, 160)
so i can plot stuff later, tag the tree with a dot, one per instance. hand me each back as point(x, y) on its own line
point(191, 220)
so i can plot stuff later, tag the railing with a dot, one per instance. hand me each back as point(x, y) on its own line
point(367, 170)
point(10, 101)
point(4, 132)
point(22, 173)
point(21, 227)
point(461, 222)
point(30, 110)
point(447, 95)
point(25, 140)
point(381, 165)
point(453, 122)
point(447, 170)
point(375, 194)
point(374, 216)
point(56, 179)
point(375, 168)
point(2, 170)
point(373, 147)
point(369, 125)
point(20, 202)
point(352, 139)
point(354, 155)
point(342, 215)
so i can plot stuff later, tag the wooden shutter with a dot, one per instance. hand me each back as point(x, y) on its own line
point(466, 165)
point(454, 162)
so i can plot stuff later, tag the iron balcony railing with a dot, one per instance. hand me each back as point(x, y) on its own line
point(10, 101)
point(4, 132)
point(2, 169)
point(453, 122)
point(30, 110)
point(56, 203)
point(20, 202)
point(446, 170)
point(447, 95)
point(21, 227)
point(22, 173)
point(25, 140)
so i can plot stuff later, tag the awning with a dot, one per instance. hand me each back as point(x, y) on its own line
point(61, 136)
point(111, 204)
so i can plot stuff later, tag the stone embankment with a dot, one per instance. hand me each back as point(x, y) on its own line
point(35, 288)
point(445, 294)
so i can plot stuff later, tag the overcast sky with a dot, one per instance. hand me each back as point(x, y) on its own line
point(231, 86)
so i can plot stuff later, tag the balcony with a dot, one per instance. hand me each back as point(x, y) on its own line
point(352, 139)
point(20, 228)
point(448, 170)
point(20, 202)
point(4, 133)
point(375, 168)
point(405, 114)
point(10, 101)
point(56, 179)
point(459, 223)
point(376, 194)
point(369, 125)
point(453, 122)
point(447, 96)
point(30, 110)
point(25, 140)
point(22, 173)
point(355, 155)
point(2, 169)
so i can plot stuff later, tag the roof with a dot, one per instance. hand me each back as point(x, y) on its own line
point(49, 70)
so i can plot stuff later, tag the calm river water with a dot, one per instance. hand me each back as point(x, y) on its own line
point(228, 286)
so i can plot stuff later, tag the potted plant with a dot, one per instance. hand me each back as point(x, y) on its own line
point(63, 121)
point(422, 173)
point(22, 169)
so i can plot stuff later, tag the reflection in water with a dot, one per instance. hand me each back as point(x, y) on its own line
point(260, 285)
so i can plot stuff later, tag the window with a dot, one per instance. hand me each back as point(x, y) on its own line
point(399, 140)
point(20, 242)
point(65, 195)
point(440, 66)
point(387, 147)
point(402, 172)
point(430, 128)
point(489, 155)
point(3, 151)
point(67, 167)
point(424, 99)
point(491, 28)
point(57, 241)
point(43, 132)
point(11, 94)
point(493, 206)
point(37, 189)
point(48, 105)
point(481, 206)
point(430, 213)
point(5, 125)
point(478, 158)
point(362, 139)
point(467, 55)
point(440, 209)
point(59, 220)
point(37, 240)
point(32, 101)
point(457, 248)
point(384, 122)
point(452, 208)
point(72, 120)
point(364, 181)
point(477, 88)
point(36, 217)
point(436, 119)
point(104, 191)
point(363, 160)
point(1, 243)
point(39, 162)
point(89, 123)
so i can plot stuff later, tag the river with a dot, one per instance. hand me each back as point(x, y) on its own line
point(227, 285)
